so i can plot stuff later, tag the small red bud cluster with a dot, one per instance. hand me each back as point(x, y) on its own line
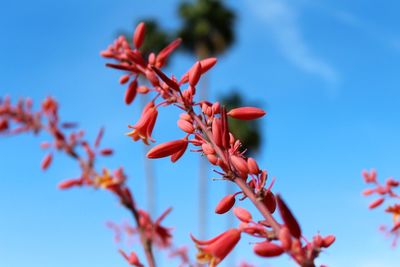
point(385, 192)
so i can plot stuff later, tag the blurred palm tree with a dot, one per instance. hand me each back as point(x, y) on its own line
point(207, 30)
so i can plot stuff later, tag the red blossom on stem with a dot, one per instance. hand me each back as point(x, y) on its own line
point(213, 251)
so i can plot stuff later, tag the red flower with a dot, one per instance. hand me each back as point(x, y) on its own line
point(144, 127)
point(213, 251)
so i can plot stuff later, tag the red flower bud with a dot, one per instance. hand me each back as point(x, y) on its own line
point(138, 36)
point(46, 161)
point(207, 149)
point(225, 204)
point(130, 92)
point(253, 166)
point(288, 218)
point(368, 192)
point(177, 155)
point(186, 117)
point(217, 131)
point(392, 183)
point(143, 89)
point(165, 52)
point(212, 159)
point(246, 113)
point(328, 241)
point(124, 79)
point(70, 183)
point(207, 64)
point(106, 152)
point(185, 126)
point(240, 165)
point(242, 214)
point(267, 249)
point(376, 203)
point(194, 74)
point(269, 201)
point(166, 149)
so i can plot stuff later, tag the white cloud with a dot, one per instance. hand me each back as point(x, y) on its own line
point(281, 20)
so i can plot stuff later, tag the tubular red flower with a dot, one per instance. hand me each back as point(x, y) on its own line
point(213, 251)
point(144, 127)
point(246, 113)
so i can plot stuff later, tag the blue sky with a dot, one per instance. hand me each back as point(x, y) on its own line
point(326, 71)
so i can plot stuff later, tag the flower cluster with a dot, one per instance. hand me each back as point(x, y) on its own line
point(20, 118)
point(205, 127)
point(385, 192)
